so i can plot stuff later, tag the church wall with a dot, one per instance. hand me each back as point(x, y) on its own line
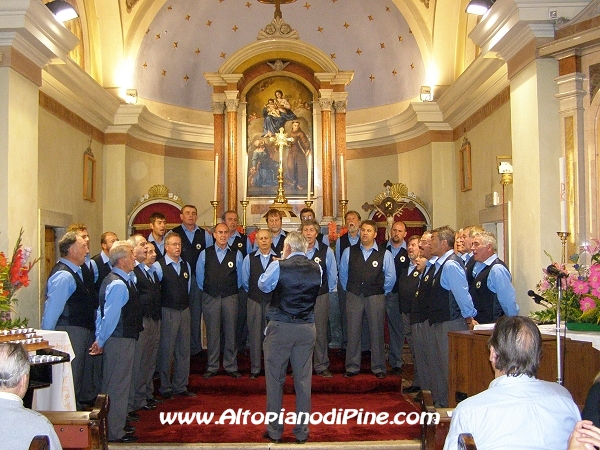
point(60, 171)
point(489, 139)
point(415, 171)
point(143, 171)
point(193, 181)
point(366, 177)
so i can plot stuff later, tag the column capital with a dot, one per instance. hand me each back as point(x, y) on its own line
point(232, 104)
point(325, 99)
point(217, 107)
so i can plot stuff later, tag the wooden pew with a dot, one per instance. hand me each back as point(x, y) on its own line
point(433, 436)
point(82, 429)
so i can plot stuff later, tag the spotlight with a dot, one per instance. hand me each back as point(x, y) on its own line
point(479, 7)
point(62, 10)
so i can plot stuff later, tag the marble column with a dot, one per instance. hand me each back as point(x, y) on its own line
point(232, 129)
point(325, 102)
point(340, 146)
point(218, 109)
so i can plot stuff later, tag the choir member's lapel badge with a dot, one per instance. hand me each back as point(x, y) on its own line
point(416, 273)
point(402, 258)
point(375, 263)
point(230, 264)
point(240, 245)
point(478, 284)
point(185, 275)
point(318, 260)
point(198, 246)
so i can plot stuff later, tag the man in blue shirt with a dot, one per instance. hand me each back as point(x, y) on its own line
point(219, 276)
point(290, 334)
point(71, 306)
point(274, 224)
point(118, 324)
point(367, 274)
point(450, 306)
point(323, 255)
point(490, 283)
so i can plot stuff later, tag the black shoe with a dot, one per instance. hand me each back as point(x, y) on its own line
point(167, 395)
point(129, 429)
point(234, 374)
point(269, 438)
point(186, 393)
point(301, 441)
point(133, 417)
point(127, 438)
point(411, 389)
point(325, 373)
point(397, 371)
point(341, 352)
point(209, 374)
point(380, 375)
point(149, 406)
point(254, 376)
point(350, 374)
point(153, 401)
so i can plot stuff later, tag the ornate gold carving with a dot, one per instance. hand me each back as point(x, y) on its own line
point(158, 192)
point(278, 28)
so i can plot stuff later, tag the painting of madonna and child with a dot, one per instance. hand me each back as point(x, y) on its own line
point(275, 103)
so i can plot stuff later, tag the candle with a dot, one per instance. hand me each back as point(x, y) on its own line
point(342, 179)
point(563, 193)
point(245, 174)
point(216, 175)
point(281, 157)
point(309, 176)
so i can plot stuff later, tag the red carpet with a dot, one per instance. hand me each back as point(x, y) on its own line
point(222, 392)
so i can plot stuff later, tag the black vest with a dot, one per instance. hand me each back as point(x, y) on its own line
point(148, 293)
point(256, 270)
point(220, 278)
point(159, 255)
point(400, 263)
point(484, 300)
point(191, 250)
point(321, 254)
point(299, 283)
point(174, 291)
point(443, 306)
point(88, 280)
point(408, 285)
point(130, 323)
point(320, 237)
point(80, 308)
point(419, 309)
point(279, 247)
point(103, 270)
point(344, 243)
point(365, 277)
point(240, 243)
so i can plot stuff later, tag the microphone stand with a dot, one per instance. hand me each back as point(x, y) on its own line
point(563, 235)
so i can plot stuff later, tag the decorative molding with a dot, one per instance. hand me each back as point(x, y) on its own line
point(159, 193)
point(278, 28)
point(278, 65)
point(340, 106)
point(482, 113)
point(217, 107)
point(232, 104)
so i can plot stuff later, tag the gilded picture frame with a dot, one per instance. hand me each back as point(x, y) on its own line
point(466, 180)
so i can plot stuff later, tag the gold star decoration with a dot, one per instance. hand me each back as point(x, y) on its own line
point(164, 73)
point(410, 31)
point(144, 65)
point(382, 44)
point(387, 8)
point(235, 28)
point(175, 44)
point(320, 29)
point(197, 52)
point(187, 17)
point(358, 51)
point(148, 31)
point(412, 66)
point(400, 38)
point(248, 4)
point(334, 1)
point(209, 23)
point(372, 78)
point(394, 72)
point(169, 8)
point(332, 55)
point(223, 55)
point(186, 77)
point(346, 25)
point(307, 5)
point(221, 1)
point(158, 36)
point(370, 18)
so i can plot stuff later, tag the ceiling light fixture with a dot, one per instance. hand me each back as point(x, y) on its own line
point(479, 7)
point(62, 10)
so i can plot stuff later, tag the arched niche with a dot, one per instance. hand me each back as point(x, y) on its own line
point(158, 199)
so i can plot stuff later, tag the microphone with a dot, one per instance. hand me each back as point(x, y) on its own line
point(555, 271)
point(538, 298)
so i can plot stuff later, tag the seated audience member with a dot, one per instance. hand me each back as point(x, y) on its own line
point(585, 436)
point(518, 410)
point(591, 411)
point(19, 425)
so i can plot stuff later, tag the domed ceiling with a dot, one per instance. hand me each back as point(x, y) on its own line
point(190, 37)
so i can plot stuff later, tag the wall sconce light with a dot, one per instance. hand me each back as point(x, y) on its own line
point(426, 95)
point(131, 96)
point(62, 10)
point(505, 169)
point(479, 7)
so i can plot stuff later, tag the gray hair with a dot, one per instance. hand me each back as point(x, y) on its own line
point(488, 238)
point(296, 241)
point(66, 242)
point(135, 240)
point(14, 365)
point(118, 251)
